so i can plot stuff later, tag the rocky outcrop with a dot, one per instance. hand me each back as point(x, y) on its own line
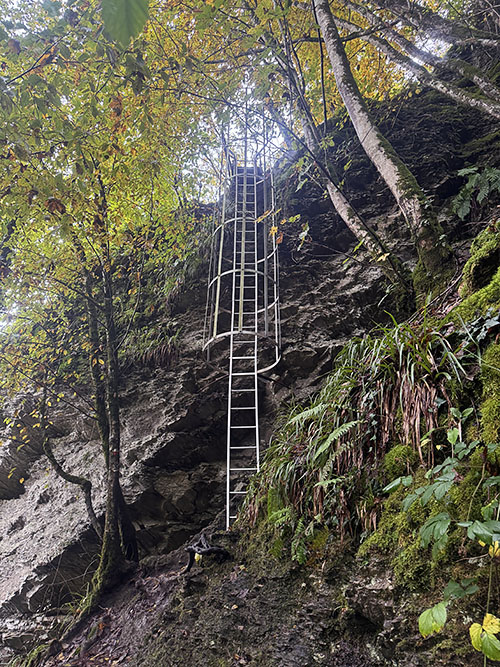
point(173, 444)
point(174, 451)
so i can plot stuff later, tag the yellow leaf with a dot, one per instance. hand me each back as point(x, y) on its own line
point(494, 552)
point(21, 480)
point(475, 635)
point(273, 230)
point(491, 623)
point(101, 361)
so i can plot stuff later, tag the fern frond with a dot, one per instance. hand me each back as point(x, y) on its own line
point(310, 413)
point(335, 435)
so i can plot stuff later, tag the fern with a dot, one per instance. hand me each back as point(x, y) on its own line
point(479, 186)
point(310, 413)
point(281, 517)
point(335, 435)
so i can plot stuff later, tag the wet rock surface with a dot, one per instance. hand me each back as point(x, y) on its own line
point(173, 425)
point(173, 430)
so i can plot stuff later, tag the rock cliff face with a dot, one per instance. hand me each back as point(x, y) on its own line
point(174, 453)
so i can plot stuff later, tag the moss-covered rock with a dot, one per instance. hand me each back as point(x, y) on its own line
point(398, 461)
point(483, 262)
point(490, 408)
point(478, 303)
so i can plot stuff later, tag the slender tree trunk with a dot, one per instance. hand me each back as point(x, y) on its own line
point(460, 95)
point(379, 251)
point(112, 556)
point(96, 352)
point(99, 352)
point(82, 482)
point(436, 26)
point(426, 232)
point(456, 65)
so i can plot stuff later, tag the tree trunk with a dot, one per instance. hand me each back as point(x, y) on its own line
point(426, 232)
point(127, 531)
point(386, 260)
point(456, 65)
point(112, 557)
point(436, 26)
point(83, 483)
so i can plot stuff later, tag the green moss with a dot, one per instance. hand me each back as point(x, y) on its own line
point(483, 262)
point(478, 303)
point(411, 565)
point(397, 537)
point(465, 496)
point(432, 278)
point(398, 461)
point(319, 539)
point(481, 145)
point(490, 408)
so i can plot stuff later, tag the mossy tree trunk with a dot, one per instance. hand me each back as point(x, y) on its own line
point(433, 251)
point(112, 555)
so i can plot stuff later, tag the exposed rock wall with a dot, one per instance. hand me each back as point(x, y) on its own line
point(174, 420)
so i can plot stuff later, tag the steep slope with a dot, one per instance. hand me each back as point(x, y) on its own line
point(256, 609)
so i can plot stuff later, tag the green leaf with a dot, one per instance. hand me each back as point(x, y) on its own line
point(334, 435)
point(396, 483)
point(456, 591)
point(439, 613)
point(124, 19)
point(432, 620)
point(434, 528)
point(490, 646)
point(426, 623)
point(392, 486)
point(310, 413)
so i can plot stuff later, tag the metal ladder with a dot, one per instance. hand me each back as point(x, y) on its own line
point(243, 399)
point(242, 319)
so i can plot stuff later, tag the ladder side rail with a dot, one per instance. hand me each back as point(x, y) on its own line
point(256, 325)
point(231, 350)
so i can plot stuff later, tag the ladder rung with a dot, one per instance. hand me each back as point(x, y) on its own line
point(238, 493)
point(241, 390)
point(239, 374)
point(233, 516)
point(240, 358)
point(247, 447)
point(251, 426)
point(241, 469)
point(245, 408)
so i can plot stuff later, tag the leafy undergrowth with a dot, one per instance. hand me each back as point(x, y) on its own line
point(399, 454)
